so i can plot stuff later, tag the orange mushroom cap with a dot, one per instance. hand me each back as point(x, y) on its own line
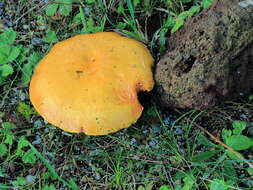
point(89, 83)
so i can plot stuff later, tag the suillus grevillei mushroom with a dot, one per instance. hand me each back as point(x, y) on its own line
point(89, 83)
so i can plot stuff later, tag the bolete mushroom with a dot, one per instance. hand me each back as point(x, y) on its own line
point(89, 83)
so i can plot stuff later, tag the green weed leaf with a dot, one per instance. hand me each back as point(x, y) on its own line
point(22, 143)
point(5, 70)
point(136, 2)
point(121, 25)
point(89, 1)
point(193, 10)
point(226, 134)
point(8, 53)
point(178, 24)
point(29, 157)
point(22, 55)
point(27, 73)
point(20, 181)
point(3, 149)
point(149, 187)
point(29, 67)
point(250, 171)
point(48, 175)
point(189, 181)
point(50, 37)
point(168, 24)
point(13, 54)
point(232, 155)
point(204, 141)
point(7, 127)
point(141, 188)
point(229, 169)
point(78, 18)
point(8, 37)
point(204, 155)
point(164, 187)
point(206, 3)
point(19, 152)
point(50, 187)
point(218, 184)
point(238, 126)
point(239, 142)
point(184, 15)
point(9, 139)
point(120, 9)
point(152, 111)
point(180, 20)
point(25, 110)
point(65, 7)
point(51, 9)
point(72, 183)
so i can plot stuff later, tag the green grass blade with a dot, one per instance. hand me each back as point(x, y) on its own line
point(130, 8)
point(52, 170)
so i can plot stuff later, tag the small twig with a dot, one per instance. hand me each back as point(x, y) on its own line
point(23, 15)
point(217, 140)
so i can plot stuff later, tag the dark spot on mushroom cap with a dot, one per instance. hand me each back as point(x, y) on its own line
point(79, 72)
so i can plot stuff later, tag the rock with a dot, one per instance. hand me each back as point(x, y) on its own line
point(210, 59)
point(30, 179)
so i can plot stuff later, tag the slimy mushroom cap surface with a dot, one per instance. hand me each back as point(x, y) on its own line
point(89, 83)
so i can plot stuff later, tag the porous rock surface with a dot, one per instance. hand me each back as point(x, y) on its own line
point(210, 59)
